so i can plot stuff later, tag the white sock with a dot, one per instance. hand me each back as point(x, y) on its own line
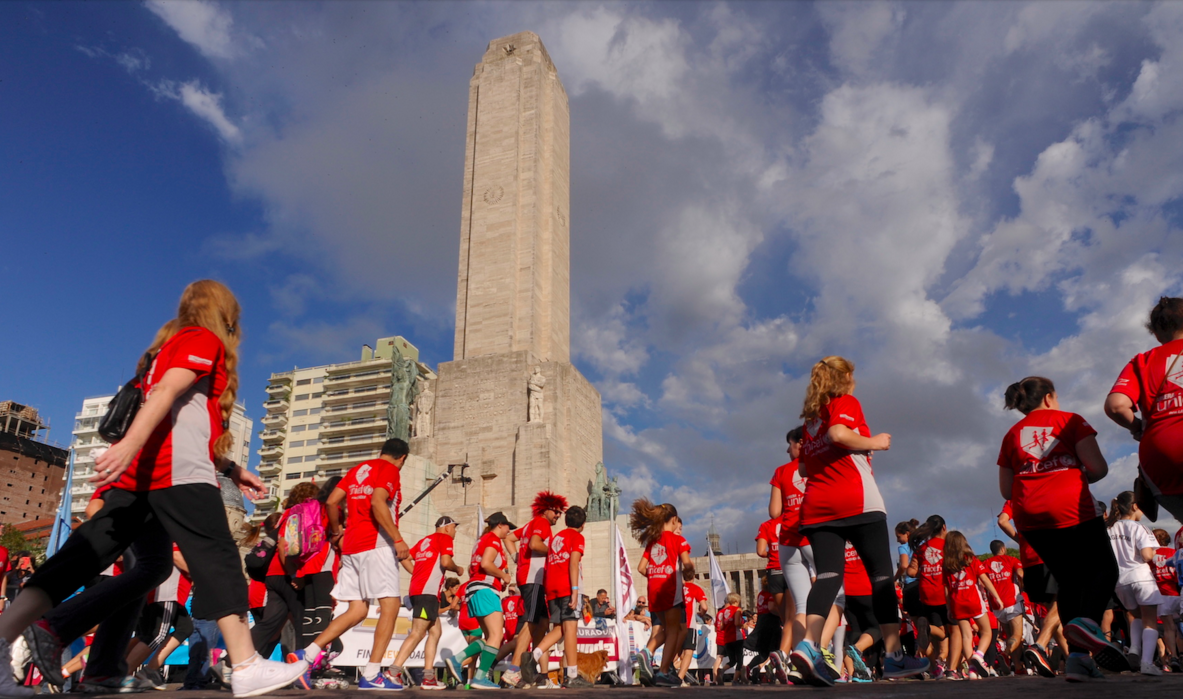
point(1149, 644)
point(537, 653)
point(371, 671)
point(572, 672)
point(840, 647)
point(1136, 636)
point(311, 652)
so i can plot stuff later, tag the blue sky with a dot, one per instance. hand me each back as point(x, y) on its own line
point(954, 195)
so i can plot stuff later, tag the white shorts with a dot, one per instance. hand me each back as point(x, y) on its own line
point(1011, 612)
point(796, 562)
point(1172, 605)
point(369, 575)
point(1138, 594)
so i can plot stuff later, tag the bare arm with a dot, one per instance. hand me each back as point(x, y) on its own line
point(687, 566)
point(643, 566)
point(1148, 554)
point(1120, 409)
point(573, 572)
point(1019, 577)
point(179, 561)
point(901, 570)
point(446, 563)
point(776, 504)
point(489, 565)
point(985, 580)
point(843, 436)
point(1007, 525)
point(1095, 466)
point(914, 567)
point(381, 512)
point(115, 460)
point(537, 545)
point(333, 509)
point(762, 548)
point(1006, 482)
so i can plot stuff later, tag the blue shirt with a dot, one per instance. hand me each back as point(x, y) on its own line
point(905, 550)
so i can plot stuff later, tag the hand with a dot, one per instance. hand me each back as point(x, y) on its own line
point(110, 465)
point(401, 550)
point(997, 602)
point(574, 599)
point(1136, 429)
point(250, 484)
point(335, 541)
point(881, 442)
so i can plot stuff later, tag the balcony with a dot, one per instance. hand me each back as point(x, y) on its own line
point(339, 427)
point(269, 468)
point(347, 395)
point(357, 409)
point(275, 420)
point(275, 405)
point(351, 441)
point(279, 389)
point(275, 450)
point(272, 435)
point(378, 374)
point(345, 458)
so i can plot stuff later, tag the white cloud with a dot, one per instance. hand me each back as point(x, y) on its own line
point(201, 23)
point(208, 106)
point(859, 30)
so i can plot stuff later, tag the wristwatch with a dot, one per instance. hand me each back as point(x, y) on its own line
point(230, 466)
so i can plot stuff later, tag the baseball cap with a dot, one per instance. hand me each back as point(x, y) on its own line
point(444, 521)
point(499, 518)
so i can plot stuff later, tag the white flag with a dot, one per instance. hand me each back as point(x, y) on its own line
point(719, 587)
point(626, 599)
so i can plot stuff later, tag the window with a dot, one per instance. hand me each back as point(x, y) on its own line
point(318, 395)
point(295, 459)
point(314, 411)
point(314, 426)
point(290, 477)
point(302, 396)
point(299, 413)
point(299, 428)
point(296, 444)
point(303, 382)
point(310, 474)
point(319, 379)
point(312, 442)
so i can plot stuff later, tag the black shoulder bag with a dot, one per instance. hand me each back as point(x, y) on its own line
point(124, 406)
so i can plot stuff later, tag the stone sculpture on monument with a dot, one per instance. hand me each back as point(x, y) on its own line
point(534, 387)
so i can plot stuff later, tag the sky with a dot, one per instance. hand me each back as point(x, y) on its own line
point(952, 195)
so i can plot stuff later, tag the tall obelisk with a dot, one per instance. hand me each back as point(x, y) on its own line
point(511, 405)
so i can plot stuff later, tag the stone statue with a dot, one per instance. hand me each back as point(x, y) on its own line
point(423, 405)
point(612, 493)
point(404, 385)
point(534, 386)
point(596, 503)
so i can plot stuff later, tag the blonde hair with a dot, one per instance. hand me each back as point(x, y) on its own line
point(211, 305)
point(833, 376)
point(733, 598)
point(648, 519)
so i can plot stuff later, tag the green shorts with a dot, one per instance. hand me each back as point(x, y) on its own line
point(483, 602)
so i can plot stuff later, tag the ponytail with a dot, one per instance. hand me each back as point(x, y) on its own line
point(1028, 394)
point(931, 527)
point(1122, 506)
point(831, 377)
point(648, 519)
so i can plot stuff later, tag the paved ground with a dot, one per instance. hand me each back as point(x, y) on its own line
point(1125, 686)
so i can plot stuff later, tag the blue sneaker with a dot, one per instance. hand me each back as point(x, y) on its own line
point(906, 666)
point(644, 668)
point(305, 680)
point(455, 669)
point(812, 666)
point(1088, 635)
point(381, 682)
point(861, 672)
point(483, 683)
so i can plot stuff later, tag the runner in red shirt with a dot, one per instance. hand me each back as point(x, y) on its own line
point(927, 566)
point(512, 608)
point(488, 574)
point(964, 578)
point(1006, 572)
point(1045, 465)
point(534, 543)
point(696, 600)
point(862, 627)
point(371, 549)
point(564, 576)
point(766, 637)
point(1152, 384)
point(729, 638)
point(1168, 587)
point(842, 503)
point(432, 556)
point(795, 554)
point(665, 564)
point(1039, 588)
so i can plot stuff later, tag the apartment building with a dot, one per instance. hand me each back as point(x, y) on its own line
point(321, 421)
point(32, 471)
point(87, 441)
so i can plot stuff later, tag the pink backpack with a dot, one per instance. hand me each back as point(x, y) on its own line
point(304, 531)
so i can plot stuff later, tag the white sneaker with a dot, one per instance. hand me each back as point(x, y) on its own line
point(1150, 669)
point(262, 676)
point(8, 684)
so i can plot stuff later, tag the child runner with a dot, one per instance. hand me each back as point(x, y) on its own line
point(433, 557)
point(1006, 572)
point(1045, 465)
point(1168, 587)
point(1134, 547)
point(531, 577)
point(859, 614)
point(564, 576)
point(696, 599)
point(665, 564)
point(928, 565)
point(729, 638)
point(842, 503)
point(1039, 588)
point(964, 577)
point(371, 548)
point(796, 556)
point(488, 575)
point(766, 638)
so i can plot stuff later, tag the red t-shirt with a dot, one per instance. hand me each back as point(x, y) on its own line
point(965, 597)
point(3, 561)
point(558, 563)
point(765, 601)
point(427, 577)
point(1164, 575)
point(512, 609)
point(931, 555)
point(1159, 399)
point(532, 566)
point(727, 623)
point(664, 571)
point(856, 581)
point(476, 574)
point(1027, 555)
point(840, 483)
point(770, 532)
point(791, 483)
point(467, 623)
point(181, 448)
point(257, 594)
point(1050, 489)
point(1001, 571)
point(692, 594)
point(362, 532)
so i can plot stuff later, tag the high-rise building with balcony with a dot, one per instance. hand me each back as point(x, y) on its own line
point(321, 421)
point(87, 440)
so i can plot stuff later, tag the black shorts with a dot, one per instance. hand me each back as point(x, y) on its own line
point(534, 605)
point(691, 641)
point(860, 616)
point(426, 607)
point(560, 610)
point(766, 636)
point(733, 652)
point(1038, 583)
point(658, 618)
point(776, 581)
point(937, 614)
point(912, 604)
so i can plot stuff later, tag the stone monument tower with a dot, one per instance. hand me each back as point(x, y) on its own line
point(511, 405)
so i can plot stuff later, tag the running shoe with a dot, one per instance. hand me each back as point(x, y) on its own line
point(264, 676)
point(529, 670)
point(576, 682)
point(46, 650)
point(666, 679)
point(1113, 659)
point(861, 672)
point(1150, 669)
point(978, 663)
point(380, 682)
point(145, 679)
point(811, 664)
point(1081, 668)
point(305, 680)
point(1034, 656)
point(796, 677)
point(512, 677)
point(830, 662)
point(483, 683)
point(8, 684)
point(644, 668)
point(691, 680)
point(106, 685)
point(431, 683)
point(455, 669)
point(905, 666)
point(779, 666)
point(1085, 633)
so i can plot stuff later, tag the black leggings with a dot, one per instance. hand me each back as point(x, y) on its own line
point(316, 598)
point(829, 556)
point(1081, 560)
point(282, 604)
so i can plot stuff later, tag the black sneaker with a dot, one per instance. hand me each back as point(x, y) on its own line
point(529, 670)
point(46, 650)
point(576, 682)
point(691, 680)
point(666, 679)
point(1035, 657)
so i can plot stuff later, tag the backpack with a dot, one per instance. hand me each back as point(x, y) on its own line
point(304, 531)
point(258, 560)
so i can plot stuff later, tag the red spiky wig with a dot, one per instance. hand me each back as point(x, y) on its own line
point(547, 500)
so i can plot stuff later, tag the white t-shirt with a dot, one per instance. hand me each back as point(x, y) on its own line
point(1128, 539)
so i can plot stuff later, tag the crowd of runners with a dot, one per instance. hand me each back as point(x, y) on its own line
point(1091, 586)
